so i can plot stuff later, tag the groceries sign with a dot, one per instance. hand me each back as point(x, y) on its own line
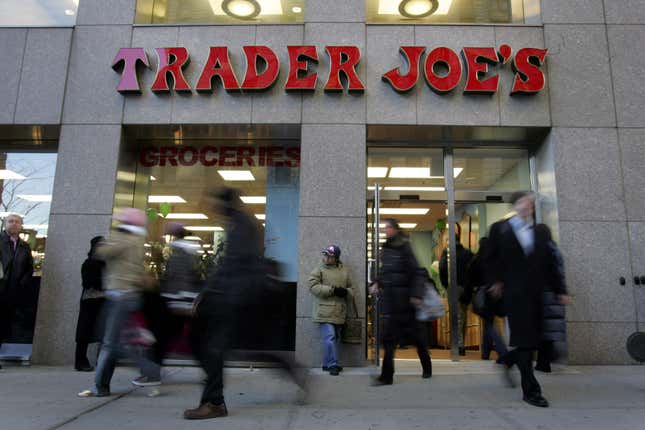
point(441, 67)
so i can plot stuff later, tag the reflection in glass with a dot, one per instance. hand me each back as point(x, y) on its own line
point(491, 169)
point(41, 13)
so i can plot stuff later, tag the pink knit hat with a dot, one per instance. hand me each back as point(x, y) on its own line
point(131, 216)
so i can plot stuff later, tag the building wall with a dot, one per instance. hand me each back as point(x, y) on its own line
point(592, 102)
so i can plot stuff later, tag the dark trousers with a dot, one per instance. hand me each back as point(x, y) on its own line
point(421, 343)
point(7, 312)
point(523, 358)
point(545, 355)
point(81, 360)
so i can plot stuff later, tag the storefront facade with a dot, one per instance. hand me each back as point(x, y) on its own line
point(582, 137)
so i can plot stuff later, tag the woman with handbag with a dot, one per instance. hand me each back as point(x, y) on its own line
point(331, 287)
point(401, 288)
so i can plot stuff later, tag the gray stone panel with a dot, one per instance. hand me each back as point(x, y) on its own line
point(599, 343)
point(587, 167)
point(91, 95)
point(579, 76)
point(335, 11)
point(626, 46)
point(529, 110)
point(275, 105)
point(12, 48)
point(148, 107)
point(625, 11)
point(334, 108)
point(632, 145)
point(61, 285)
point(44, 72)
point(573, 12)
point(456, 108)
point(86, 187)
point(97, 12)
point(596, 255)
point(219, 107)
point(316, 234)
point(333, 171)
point(637, 248)
point(384, 104)
point(309, 347)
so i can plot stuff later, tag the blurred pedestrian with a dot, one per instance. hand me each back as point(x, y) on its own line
point(182, 268)
point(554, 323)
point(400, 286)
point(519, 265)
point(126, 280)
point(463, 260)
point(92, 299)
point(17, 270)
point(331, 287)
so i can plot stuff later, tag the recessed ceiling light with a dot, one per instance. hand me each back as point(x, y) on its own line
point(236, 175)
point(152, 178)
point(241, 9)
point(69, 12)
point(401, 224)
point(410, 172)
point(36, 197)
point(377, 172)
point(203, 228)
point(165, 199)
point(8, 174)
point(254, 200)
point(261, 216)
point(403, 211)
point(415, 189)
point(185, 216)
point(418, 8)
point(296, 9)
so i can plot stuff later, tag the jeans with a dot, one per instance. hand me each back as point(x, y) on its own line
point(119, 309)
point(330, 334)
point(492, 339)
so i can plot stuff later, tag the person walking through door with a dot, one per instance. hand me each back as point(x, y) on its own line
point(400, 286)
point(519, 264)
point(464, 256)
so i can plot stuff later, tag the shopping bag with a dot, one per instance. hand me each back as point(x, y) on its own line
point(432, 307)
point(352, 330)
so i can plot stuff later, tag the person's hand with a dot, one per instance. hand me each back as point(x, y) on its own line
point(340, 292)
point(415, 301)
point(374, 289)
point(564, 299)
point(496, 290)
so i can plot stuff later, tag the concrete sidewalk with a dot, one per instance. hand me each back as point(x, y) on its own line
point(466, 395)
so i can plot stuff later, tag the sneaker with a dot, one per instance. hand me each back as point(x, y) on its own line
point(144, 381)
point(334, 370)
point(94, 393)
point(205, 411)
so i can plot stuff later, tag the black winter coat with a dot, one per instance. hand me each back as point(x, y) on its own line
point(18, 268)
point(554, 324)
point(399, 279)
point(524, 277)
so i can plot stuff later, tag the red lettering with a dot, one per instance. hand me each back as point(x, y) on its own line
point(203, 154)
point(260, 81)
point(274, 152)
point(245, 154)
point(262, 156)
point(184, 152)
point(149, 157)
point(226, 154)
point(217, 65)
point(529, 78)
point(343, 59)
point(129, 57)
point(169, 154)
point(297, 68)
point(171, 61)
point(402, 83)
point(476, 69)
point(447, 57)
point(294, 155)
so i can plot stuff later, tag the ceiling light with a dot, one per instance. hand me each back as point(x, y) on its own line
point(254, 200)
point(36, 197)
point(261, 216)
point(239, 9)
point(401, 224)
point(203, 228)
point(236, 175)
point(185, 216)
point(403, 211)
point(165, 199)
point(391, 7)
point(152, 178)
point(267, 7)
point(296, 9)
point(377, 172)
point(444, 7)
point(415, 189)
point(457, 171)
point(418, 8)
point(410, 172)
point(8, 174)
point(69, 12)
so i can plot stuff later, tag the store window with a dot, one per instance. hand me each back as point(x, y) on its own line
point(26, 183)
point(454, 11)
point(171, 179)
point(38, 13)
point(219, 11)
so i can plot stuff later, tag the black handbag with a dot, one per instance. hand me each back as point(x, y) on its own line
point(480, 301)
point(352, 330)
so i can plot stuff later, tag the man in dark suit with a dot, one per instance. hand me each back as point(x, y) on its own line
point(18, 266)
point(519, 264)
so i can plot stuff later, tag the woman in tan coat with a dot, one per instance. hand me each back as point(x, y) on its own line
point(331, 287)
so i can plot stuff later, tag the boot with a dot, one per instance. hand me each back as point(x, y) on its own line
point(205, 411)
